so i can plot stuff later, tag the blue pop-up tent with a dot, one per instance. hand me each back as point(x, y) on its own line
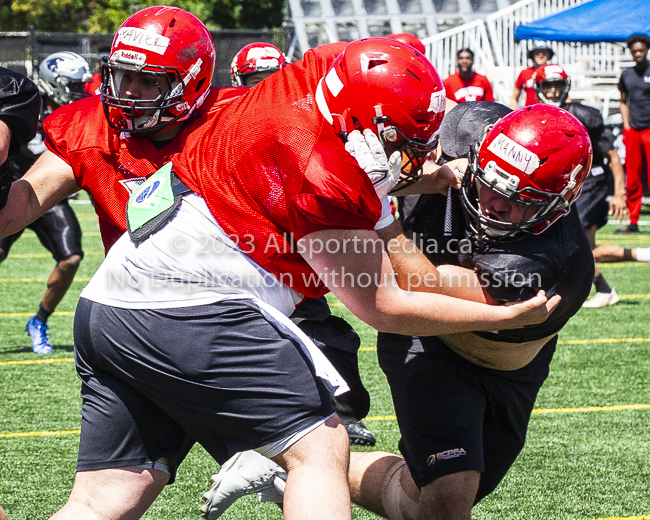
point(594, 21)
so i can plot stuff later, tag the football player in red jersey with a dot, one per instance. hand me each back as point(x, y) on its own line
point(463, 401)
point(254, 62)
point(160, 56)
point(540, 54)
point(268, 205)
point(335, 337)
point(466, 84)
point(165, 393)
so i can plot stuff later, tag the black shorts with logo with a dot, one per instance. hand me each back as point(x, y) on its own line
point(57, 229)
point(454, 415)
point(156, 381)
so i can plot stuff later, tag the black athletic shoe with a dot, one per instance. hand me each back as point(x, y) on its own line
point(630, 228)
point(359, 434)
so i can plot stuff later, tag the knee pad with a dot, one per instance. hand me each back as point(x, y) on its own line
point(395, 501)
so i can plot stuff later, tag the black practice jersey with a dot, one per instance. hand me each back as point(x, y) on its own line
point(20, 104)
point(602, 139)
point(19, 163)
point(559, 261)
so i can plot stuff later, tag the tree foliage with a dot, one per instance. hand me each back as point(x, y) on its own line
point(105, 16)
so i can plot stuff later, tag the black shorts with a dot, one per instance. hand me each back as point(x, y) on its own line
point(454, 415)
point(592, 205)
point(156, 381)
point(58, 230)
point(340, 343)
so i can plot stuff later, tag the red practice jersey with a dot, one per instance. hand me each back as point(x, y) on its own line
point(525, 81)
point(476, 89)
point(109, 166)
point(92, 87)
point(272, 170)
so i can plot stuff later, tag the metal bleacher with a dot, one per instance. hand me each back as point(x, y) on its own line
point(323, 21)
point(485, 26)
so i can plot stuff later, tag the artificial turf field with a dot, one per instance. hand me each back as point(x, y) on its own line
point(587, 455)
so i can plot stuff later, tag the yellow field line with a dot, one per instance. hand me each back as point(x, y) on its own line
point(24, 314)
point(614, 408)
point(603, 340)
point(29, 280)
point(37, 361)
point(621, 265)
point(84, 233)
point(585, 409)
point(39, 434)
point(48, 255)
point(569, 342)
point(387, 418)
point(644, 517)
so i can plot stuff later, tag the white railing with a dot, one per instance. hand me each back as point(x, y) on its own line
point(511, 56)
point(500, 57)
point(441, 49)
point(501, 27)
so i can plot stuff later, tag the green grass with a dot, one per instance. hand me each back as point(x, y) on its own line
point(576, 465)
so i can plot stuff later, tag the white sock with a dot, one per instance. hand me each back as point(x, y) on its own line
point(643, 254)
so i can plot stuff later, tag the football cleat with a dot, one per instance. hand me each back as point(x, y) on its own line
point(359, 434)
point(37, 331)
point(630, 228)
point(602, 299)
point(244, 473)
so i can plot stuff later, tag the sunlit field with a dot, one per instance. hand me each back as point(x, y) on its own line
point(587, 454)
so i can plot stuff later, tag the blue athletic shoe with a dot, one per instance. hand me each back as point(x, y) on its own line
point(37, 331)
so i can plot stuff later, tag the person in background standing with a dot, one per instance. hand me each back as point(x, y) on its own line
point(635, 110)
point(466, 84)
point(540, 55)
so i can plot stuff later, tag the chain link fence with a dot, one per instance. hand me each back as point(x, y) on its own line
point(24, 51)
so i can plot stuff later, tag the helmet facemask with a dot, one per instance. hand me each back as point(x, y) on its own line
point(544, 89)
point(540, 208)
point(143, 115)
point(414, 153)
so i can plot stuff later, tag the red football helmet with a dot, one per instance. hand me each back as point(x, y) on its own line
point(538, 156)
point(409, 39)
point(390, 88)
point(176, 50)
point(255, 57)
point(542, 83)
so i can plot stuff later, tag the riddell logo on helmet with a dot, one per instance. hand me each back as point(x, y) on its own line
point(135, 58)
point(444, 455)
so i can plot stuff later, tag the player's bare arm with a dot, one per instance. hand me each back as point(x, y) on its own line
point(47, 183)
point(617, 206)
point(384, 306)
point(5, 141)
point(625, 111)
point(414, 271)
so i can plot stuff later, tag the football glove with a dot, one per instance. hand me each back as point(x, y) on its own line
point(383, 172)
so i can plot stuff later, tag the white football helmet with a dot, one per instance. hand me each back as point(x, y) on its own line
point(61, 76)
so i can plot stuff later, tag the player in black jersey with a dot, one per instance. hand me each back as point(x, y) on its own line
point(19, 108)
point(61, 80)
point(463, 401)
point(552, 85)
